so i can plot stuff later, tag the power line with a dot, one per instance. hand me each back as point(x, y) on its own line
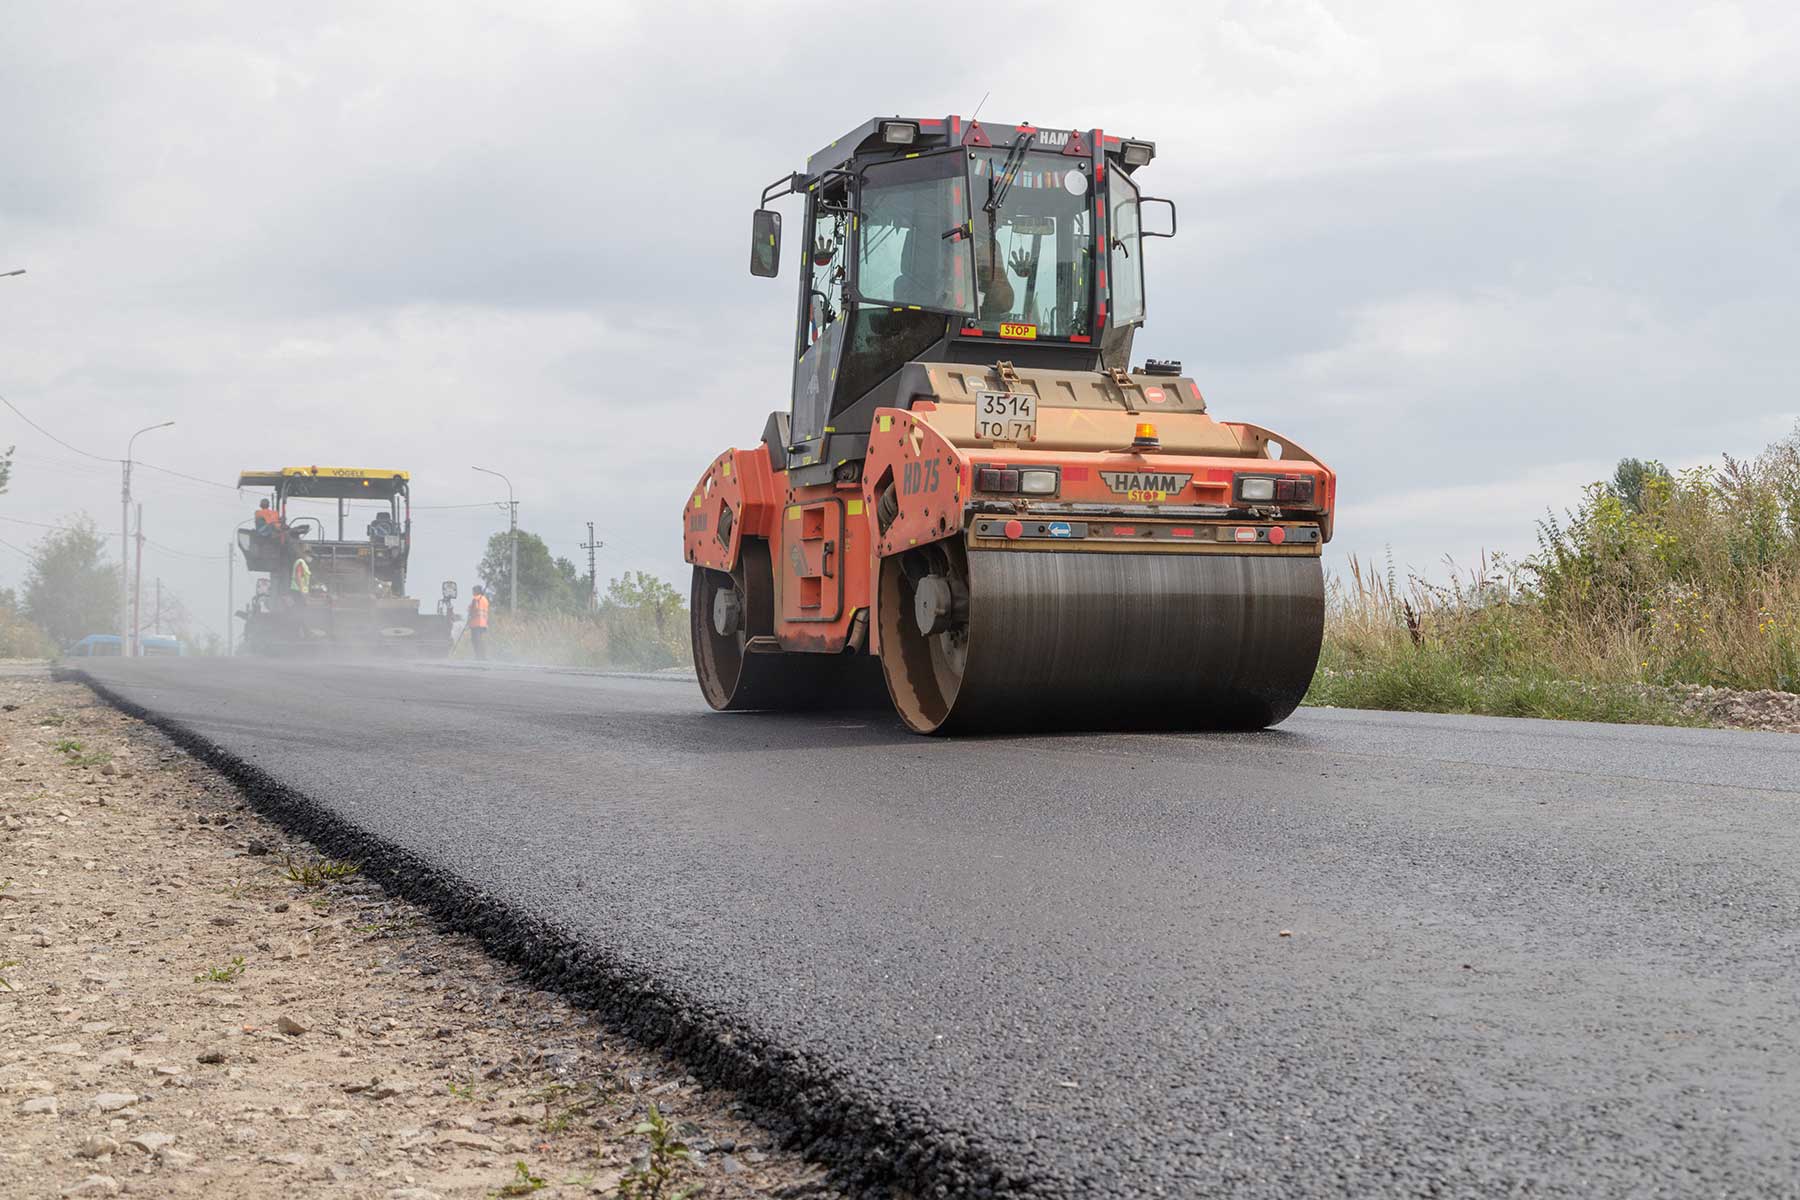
point(52, 436)
point(39, 524)
point(138, 462)
point(28, 554)
point(183, 553)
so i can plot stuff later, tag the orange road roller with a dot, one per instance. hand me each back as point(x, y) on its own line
point(974, 504)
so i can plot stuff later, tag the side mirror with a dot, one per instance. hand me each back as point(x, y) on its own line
point(765, 243)
point(1144, 224)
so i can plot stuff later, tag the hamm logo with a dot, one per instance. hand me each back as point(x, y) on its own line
point(1144, 485)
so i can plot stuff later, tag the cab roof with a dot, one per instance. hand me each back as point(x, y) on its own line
point(938, 132)
point(329, 482)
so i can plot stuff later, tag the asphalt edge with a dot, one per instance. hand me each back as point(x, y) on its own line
point(869, 1151)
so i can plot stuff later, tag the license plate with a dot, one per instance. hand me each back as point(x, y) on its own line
point(1005, 417)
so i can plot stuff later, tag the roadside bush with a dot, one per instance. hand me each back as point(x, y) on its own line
point(641, 625)
point(1655, 579)
point(19, 638)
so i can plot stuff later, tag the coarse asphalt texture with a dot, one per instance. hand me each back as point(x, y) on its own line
point(1360, 954)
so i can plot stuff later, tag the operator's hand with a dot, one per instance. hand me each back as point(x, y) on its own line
point(1022, 263)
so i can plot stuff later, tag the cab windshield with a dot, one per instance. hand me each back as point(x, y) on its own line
point(1034, 247)
point(1015, 248)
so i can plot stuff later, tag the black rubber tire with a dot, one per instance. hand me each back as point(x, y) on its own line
point(731, 678)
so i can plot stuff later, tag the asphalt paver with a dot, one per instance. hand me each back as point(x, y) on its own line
point(1360, 954)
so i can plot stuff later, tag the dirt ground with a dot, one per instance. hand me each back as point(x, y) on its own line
point(181, 1018)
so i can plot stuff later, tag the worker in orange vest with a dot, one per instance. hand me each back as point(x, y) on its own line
point(478, 614)
point(268, 521)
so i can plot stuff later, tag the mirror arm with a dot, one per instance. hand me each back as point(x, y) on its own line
point(786, 185)
point(1143, 200)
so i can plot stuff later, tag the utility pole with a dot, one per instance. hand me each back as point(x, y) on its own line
point(137, 588)
point(156, 625)
point(127, 616)
point(230, 593)
point(591, 545)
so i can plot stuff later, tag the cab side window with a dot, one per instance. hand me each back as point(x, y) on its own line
point(827, 254)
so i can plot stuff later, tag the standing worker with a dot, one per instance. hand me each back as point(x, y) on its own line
point(301, 582)
point(478, 613)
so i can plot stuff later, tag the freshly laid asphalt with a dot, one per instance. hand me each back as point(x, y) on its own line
point(1361, 954)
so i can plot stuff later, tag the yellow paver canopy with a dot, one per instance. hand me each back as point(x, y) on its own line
point(329, 483)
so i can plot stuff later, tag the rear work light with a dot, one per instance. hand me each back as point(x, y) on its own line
point(899, 133)
point(1256, 488)
point(1137, 154)
point(1024, 481)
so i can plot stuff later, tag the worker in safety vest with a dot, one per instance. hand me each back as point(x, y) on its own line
point(301, 581)
point(478, 614)
point(268, 521)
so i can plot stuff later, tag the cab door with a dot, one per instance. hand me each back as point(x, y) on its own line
point(822, 314)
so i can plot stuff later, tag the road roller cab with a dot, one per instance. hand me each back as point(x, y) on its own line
point(973, 502)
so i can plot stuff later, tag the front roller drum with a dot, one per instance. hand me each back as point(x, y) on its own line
point(1021, 640)
point(728, 611)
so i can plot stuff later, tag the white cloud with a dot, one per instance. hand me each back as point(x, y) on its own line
point(1466, 253)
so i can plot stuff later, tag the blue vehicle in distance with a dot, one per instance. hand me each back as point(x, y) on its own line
point(95, 645)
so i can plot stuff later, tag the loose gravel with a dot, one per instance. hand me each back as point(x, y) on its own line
point(181, 1018)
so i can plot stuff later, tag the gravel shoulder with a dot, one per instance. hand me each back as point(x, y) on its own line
point(181, 1018)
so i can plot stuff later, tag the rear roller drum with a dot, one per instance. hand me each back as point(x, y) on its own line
point(1012, 640)
point(728, 610)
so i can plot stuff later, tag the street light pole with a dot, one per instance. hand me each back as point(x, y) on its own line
point(512, 507)
point(230, 593)
point(126, 632)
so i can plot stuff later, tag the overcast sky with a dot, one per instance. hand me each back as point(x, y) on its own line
point(1469, 254)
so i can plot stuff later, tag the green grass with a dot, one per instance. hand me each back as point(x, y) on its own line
point(522, 1183)
point(229, 973)
point(669, 1156)
point(319, 872)
point(1422, 679)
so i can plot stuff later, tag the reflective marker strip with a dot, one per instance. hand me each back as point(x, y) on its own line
point(885, 423)
point(793, 512)
point(853, 508)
